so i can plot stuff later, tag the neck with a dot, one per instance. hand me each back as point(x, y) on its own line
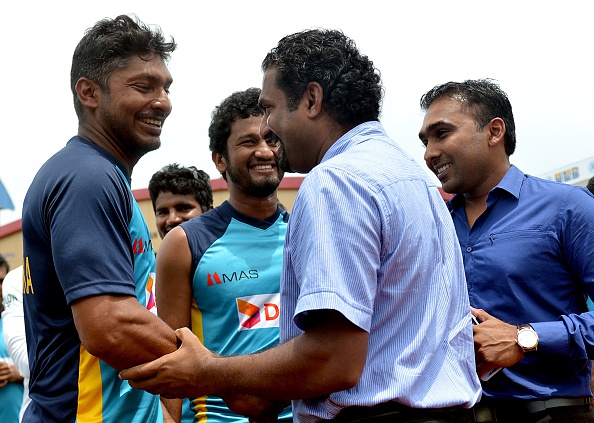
point(475, 201)
point(108, 144)
point(256, 207)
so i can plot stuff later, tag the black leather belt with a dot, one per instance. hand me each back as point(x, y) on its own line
point(490, 410)
point(391, 412)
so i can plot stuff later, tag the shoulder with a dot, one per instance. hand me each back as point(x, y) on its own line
point(203, 230)
point(557, 191)
point(80, 165)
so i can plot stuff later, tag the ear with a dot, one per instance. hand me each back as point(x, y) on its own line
point(313, 97)
point(219, 161)
point(496, 130)
point(87, 92)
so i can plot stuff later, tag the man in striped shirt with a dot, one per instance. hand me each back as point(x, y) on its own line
point(375, 319)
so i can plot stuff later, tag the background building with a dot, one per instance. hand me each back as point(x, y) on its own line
point(578, 173)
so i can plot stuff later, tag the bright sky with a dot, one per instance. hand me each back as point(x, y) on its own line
point(539, 51)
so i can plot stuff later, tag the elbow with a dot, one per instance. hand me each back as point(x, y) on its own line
point(102, 344)
point(347, 378)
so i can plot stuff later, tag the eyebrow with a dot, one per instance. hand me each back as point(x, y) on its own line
point(153, 79)
point(247, 135)
point(432, 127)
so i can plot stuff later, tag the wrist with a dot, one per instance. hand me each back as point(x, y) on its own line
point(527, 338)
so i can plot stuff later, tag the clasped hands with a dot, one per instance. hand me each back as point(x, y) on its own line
point(185, 372)
point(8, 374)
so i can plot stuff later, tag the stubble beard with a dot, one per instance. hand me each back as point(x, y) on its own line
point(261, 188)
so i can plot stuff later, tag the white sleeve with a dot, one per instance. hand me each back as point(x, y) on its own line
point(13, 320)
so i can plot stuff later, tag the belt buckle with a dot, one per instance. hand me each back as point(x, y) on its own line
point(484, 413)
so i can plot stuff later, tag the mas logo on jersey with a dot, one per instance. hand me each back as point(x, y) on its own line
point(216, 279)
point(140, 246)
point(258, 311)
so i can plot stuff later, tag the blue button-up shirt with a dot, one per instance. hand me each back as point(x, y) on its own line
point(529, 258)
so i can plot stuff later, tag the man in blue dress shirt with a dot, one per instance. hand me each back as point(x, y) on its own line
point(375, 317)
point(528, 256)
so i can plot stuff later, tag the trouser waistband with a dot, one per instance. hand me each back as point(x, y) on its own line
point(392, 411)
point(492, 411)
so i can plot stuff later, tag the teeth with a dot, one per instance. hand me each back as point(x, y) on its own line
point(443, 168)
point(152, 121)
point(263, 167)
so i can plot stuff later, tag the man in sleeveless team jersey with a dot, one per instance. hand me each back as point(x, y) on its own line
point(219, 273)
point(179, 194)
point(88, 259)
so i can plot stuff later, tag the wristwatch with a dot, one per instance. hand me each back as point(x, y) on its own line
point(527, 338)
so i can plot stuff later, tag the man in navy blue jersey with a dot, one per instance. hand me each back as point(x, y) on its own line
point(89, 265)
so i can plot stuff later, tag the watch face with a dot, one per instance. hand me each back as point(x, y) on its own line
point(527, 338)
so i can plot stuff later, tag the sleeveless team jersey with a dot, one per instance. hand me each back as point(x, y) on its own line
point(236, 263)
point(83, 235)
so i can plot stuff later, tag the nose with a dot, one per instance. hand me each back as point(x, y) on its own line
point(173, 219)
point(431, 153)
point(161, 101)
point(264, 150)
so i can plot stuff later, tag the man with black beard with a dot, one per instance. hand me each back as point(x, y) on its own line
point(219, 273)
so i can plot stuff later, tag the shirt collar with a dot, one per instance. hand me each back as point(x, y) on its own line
point(511, 183)
point(357, 135)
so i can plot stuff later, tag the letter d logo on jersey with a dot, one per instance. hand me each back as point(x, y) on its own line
point(258, 311)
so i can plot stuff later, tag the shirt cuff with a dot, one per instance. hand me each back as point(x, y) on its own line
point(552, 337)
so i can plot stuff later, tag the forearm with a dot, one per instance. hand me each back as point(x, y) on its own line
point(139, 342)
point(325, 359)
point(121, 332)
point(570, 336)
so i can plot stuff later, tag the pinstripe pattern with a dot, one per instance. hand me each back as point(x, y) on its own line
point(370, 236)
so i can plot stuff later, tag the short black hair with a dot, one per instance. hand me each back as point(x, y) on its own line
point(109, 45)
point(180, 180)
point(239, 105)
point(351, 83)
point(483, 99)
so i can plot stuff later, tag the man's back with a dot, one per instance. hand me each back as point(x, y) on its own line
point(369, 233)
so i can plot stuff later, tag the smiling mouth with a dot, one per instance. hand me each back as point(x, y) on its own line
point(262, 167)
point(150, 121)
point(443, 168)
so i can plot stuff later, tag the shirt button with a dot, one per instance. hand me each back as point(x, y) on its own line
point(468, 249)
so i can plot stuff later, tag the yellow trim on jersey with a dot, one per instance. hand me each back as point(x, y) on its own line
point(196, 321)
point(90, 395)
point(196, 327)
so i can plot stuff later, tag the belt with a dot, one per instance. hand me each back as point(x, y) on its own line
point(489, 410)
point(392, 411)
